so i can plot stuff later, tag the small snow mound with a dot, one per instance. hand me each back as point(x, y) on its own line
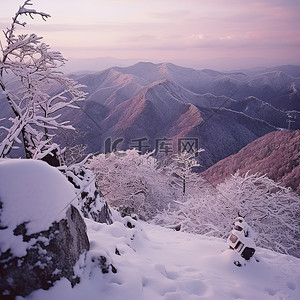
point(32, 192)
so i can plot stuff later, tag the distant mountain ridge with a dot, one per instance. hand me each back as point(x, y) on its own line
point(273, 86)
point(152, 101)
point(223, 111)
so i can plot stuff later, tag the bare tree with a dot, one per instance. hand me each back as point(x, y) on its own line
point(34, 89)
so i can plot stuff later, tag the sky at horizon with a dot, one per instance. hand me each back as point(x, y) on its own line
point(188, 32)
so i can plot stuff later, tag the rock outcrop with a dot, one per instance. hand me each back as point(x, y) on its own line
point(90, 199)
point(51, 255)
point(42, 236)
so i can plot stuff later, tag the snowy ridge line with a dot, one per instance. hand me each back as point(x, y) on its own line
point(215, 112)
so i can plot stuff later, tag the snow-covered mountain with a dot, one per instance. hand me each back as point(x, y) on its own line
point(265, 85)
point(153, 101)
point(224, 111)
point(166, 109)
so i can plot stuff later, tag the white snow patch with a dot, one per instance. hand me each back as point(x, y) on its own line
point(31, 192)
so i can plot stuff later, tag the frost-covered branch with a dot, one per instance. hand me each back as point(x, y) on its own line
point(34, 88)
point(23, 10)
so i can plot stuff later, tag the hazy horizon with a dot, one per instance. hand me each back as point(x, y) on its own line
point(74, 64)
point(193, 33)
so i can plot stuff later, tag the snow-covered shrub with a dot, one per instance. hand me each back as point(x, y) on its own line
point(132, 182)
point(272, 210)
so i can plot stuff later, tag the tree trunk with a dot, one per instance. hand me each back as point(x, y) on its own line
point(26, 140)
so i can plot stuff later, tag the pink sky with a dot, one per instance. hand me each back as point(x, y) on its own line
point(188, 32)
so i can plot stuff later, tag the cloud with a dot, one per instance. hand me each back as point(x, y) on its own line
point(196, 36)
point(169, 27)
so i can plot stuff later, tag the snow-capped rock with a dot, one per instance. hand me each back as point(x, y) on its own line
point(42, 236)
point(90, 200)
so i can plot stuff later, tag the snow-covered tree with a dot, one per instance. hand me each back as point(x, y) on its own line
point(272, 210)
point(35, 90)
point(180, 167)
point(143, 185)
point(132, 182)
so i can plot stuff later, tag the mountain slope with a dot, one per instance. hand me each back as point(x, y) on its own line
point(163, 109)
point(111, 87)
point(224, 132)
point(276, 154)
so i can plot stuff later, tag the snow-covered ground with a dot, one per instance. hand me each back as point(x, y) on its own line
point(134, 260)
point(155, 263)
